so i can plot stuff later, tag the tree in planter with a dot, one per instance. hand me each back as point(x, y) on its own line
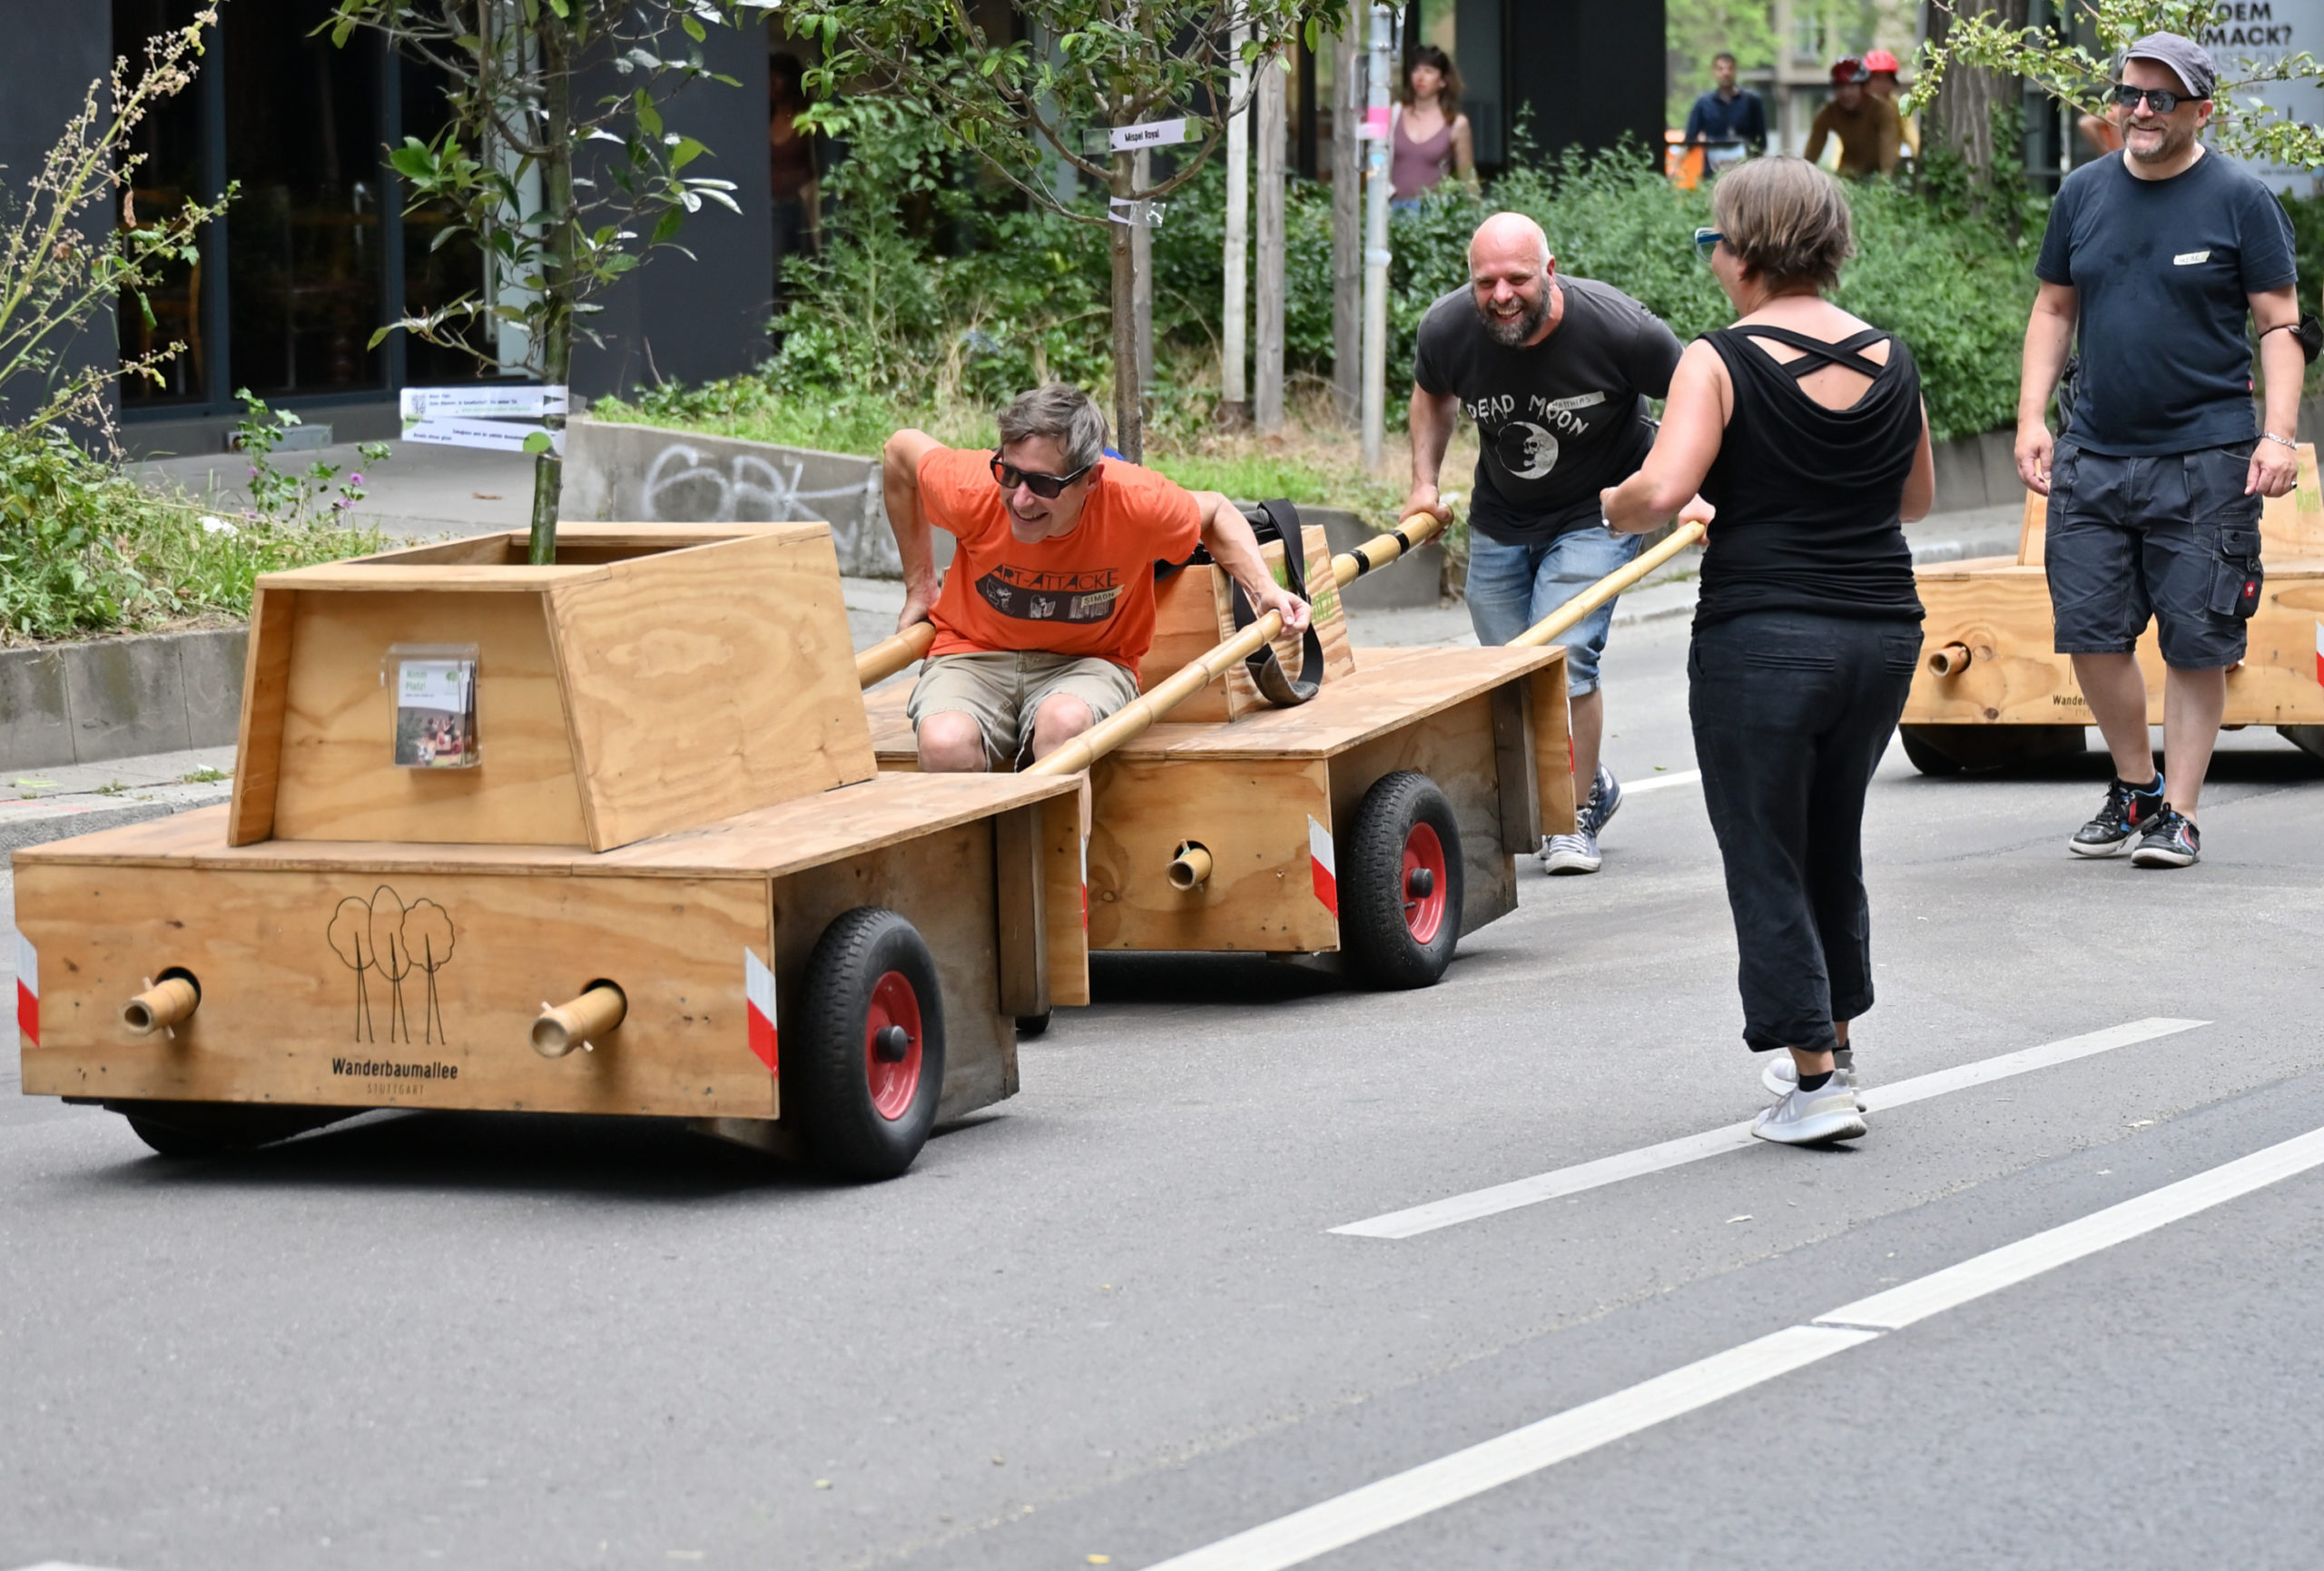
point(1088, 64)
point(68, 252)
point(1969, 48)
point(556, 228)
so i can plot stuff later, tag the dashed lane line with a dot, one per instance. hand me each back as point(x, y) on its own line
point(1663, 782)
point(1476, 1204)
point(1405, 1496)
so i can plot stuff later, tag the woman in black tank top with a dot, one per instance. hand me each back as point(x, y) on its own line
point(1798, 436)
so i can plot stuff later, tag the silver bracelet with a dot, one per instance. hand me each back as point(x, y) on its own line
point(2286, 442)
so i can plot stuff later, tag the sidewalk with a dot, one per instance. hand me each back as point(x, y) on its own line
point(420, 492)
point(67, 799)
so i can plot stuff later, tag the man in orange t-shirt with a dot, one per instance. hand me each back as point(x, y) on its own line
point(1050, 605)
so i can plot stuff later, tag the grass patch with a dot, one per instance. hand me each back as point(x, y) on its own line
point(86, 550)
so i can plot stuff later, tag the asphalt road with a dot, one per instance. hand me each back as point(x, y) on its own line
point(1107, 1319)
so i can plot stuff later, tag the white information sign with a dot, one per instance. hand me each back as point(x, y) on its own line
point(498, 436)
point(2262, 32)
point(1153, 133)
point(482, 400)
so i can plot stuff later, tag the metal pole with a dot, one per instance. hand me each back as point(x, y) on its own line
point(1375, 240)
point(1266, 371)
point(1235, 388)
point(1141, 261)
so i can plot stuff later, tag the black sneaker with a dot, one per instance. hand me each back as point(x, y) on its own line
point(2122, 819)
point(2170, 842)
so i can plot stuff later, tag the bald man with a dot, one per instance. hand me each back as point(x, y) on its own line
point(1556, 373)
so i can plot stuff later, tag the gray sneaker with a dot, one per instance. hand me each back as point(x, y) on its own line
point(1812, 1117)
point(1576, 852)
point(1781, 1077)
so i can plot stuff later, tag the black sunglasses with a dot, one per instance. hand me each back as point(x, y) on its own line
point(2161, 99)
point(1046, 487)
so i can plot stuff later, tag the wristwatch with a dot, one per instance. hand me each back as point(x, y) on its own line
point(2286, 442)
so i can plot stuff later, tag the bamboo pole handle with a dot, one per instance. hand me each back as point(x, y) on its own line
point(161, 1006)
point(1197, 674)
point(889, 655)
point(1562, 619)
point(598, 1011)
point(1951, 660)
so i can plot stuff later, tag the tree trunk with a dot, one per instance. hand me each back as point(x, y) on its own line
point(1141, 262)
point(1962, 117)
point(1272, 136)
point(557, 285)
point(1129, 412)
point(1234, 377)
point(1348, 225)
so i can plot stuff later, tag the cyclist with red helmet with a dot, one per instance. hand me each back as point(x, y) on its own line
point(1869, 132)
point(1881, 68)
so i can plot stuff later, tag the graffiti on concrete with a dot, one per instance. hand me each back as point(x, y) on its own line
point(684, 485)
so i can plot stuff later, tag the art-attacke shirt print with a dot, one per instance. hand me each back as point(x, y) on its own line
point(1090, 593)
point(1557, 421)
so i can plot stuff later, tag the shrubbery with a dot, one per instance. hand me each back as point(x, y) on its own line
point(931, 296)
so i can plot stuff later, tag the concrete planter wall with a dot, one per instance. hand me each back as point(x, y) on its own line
point(120, 698)
point(646, 474)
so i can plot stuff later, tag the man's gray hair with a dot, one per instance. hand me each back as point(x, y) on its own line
point(1062, 413)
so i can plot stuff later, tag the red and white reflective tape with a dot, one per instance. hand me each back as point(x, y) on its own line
point(1085, 860)
point(758, 1005)
point(2319, 654)
point(1325, 868)
point(27, 992)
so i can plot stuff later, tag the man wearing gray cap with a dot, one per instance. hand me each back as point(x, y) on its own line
point(2155, 256)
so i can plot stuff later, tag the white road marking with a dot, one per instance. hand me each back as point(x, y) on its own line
point(1630, 1164)
point(1663, 782)
point(1405, 1496)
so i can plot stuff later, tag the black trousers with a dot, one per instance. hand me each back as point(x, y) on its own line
point(1792, 711)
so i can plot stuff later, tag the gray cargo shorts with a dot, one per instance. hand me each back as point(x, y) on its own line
point(1004, 693)
point(2172, 538)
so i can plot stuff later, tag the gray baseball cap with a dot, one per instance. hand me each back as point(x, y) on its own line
point(2189, 60)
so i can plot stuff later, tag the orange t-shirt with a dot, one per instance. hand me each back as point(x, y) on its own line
point(1090, 592)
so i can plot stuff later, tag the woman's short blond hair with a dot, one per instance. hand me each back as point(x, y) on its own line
point(1786, 221)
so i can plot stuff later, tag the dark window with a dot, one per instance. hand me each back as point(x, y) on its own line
point(169, 173)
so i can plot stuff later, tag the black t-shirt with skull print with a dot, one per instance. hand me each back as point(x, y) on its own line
point(1559, 421)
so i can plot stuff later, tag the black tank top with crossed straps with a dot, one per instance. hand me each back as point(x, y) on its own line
point(1808, 496)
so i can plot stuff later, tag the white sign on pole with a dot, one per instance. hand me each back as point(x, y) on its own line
point(2258, 35)
point(497, 436)
point(482, 400)
point(1097, 139)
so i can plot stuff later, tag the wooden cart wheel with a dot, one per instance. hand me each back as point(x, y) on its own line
point(869, 1069)
point(1400, 884)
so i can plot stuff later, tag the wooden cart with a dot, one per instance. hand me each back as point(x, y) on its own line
point(1380, 820)
point(1993, 691)
point(675, 825)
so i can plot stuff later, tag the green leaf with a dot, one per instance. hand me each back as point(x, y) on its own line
point(693, 28)
point(538, 443)
point(667, 226)
point(685, 152)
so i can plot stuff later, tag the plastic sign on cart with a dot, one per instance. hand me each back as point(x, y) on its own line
point(484, 416)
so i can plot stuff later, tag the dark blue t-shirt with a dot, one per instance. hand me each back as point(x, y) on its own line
point(1738, 119)
point(2160, 270)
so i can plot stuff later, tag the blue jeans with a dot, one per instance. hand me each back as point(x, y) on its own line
point(1510, 588)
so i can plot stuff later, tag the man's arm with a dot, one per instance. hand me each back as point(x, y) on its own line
point(1432, 419)
point(1818, 129)
point(1695, 121)
point(1227, 535)
point(1694, 424)
point(2049, 334)
point(2275, 467)
point(900, 462)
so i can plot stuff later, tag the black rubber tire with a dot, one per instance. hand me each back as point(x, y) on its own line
point(825, 1078)
point(1378, 942)
point(1924, 754)
point(1973, 749)
point(1032, 1025)
point(202, 1129)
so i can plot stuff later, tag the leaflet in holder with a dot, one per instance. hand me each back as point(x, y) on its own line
point(435, 694)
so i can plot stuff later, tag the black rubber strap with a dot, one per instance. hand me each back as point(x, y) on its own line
point(1281, 519)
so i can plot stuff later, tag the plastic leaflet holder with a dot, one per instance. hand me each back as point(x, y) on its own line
point(435, 705)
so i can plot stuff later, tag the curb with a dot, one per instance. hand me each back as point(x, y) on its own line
point(36, 823)
point(108, 698)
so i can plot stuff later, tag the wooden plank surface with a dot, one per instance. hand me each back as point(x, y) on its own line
point(1554, 747)
point(1065, 897)
point(349, 988)
point(701, 683)
point(1516, 767)
point(1455, 747)
point(1020, 896)
point(258, 748)
point(2001, 616)
point(338, 780)
point(1250, 815)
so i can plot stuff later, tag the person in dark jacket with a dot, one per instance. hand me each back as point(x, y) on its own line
point(1730, 121)
point(1803, 429)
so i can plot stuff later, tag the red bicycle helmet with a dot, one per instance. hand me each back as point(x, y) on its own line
point(1879, 60)
point(1847, 69)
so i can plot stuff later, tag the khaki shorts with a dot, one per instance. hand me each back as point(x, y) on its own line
point(1004, 692)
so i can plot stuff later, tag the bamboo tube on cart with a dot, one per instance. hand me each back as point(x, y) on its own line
point(1950, 661)
point(889, 655)
point(1197, 674)
point(1190, 868)
point(1563, 619)
point(161, 1006)
point(598, 1011)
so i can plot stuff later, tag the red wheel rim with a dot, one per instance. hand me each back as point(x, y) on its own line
point(893, 1086)
point(1423, 913)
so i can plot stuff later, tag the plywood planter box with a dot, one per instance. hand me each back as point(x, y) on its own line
point(673, 839)
point(1992, 689)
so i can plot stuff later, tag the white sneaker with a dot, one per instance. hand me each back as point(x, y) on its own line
point(1575, 853)
point(1812, 1117)
point(1781, 1077)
